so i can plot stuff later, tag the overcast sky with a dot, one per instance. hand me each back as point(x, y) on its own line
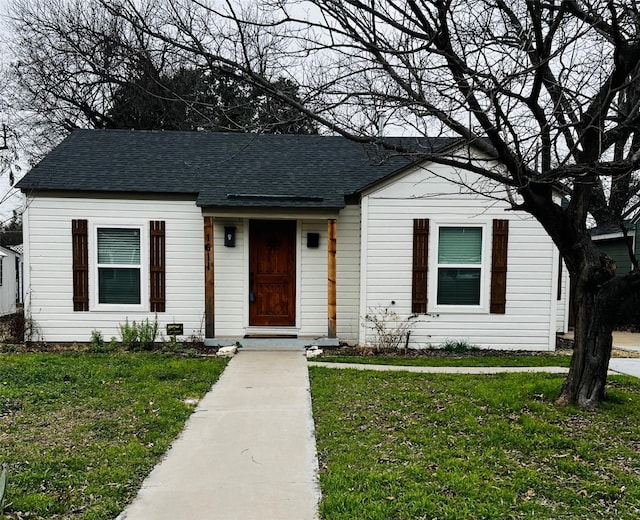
point(7, 205)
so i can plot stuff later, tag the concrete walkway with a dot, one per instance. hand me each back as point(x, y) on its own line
point(625, 366)
point(441, 370)
point(247, 453)
point(626, 344)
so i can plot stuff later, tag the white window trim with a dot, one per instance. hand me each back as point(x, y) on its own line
point(94, 286)
point(485, 270)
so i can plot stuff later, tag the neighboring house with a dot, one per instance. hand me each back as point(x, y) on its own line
point(241, 235)
point(19, 250)
point(611, 240)
point(8, 280)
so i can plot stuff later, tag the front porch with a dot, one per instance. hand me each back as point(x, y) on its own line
point(270, 278)
point(273, 343)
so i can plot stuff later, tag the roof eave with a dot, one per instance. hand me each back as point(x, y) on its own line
point(403, 169)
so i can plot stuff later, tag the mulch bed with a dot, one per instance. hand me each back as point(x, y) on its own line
point(563, 347)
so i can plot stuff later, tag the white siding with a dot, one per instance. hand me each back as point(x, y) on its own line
point(48, 264)
point(562, 313)
point(388, 244)
point(230, 275)
point(312, 293)
point(348, 273)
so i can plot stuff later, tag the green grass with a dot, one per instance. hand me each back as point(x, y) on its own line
point(464, 360)
point(79, 432)
point(416, 446)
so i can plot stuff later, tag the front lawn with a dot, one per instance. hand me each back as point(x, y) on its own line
point(463, 360)
point(79, 432)
point(397, 445)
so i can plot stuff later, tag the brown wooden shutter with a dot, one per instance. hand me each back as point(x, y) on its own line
point(420, 265)
point(499, 266)
point(157, 267)
point(80, 244)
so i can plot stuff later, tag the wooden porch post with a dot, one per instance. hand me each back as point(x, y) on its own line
point(209, 287)
point(331, 276)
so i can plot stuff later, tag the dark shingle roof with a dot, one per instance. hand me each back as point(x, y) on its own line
point(222, 169)
point(610, 228)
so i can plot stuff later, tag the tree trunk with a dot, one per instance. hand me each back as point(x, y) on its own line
point(594, 312)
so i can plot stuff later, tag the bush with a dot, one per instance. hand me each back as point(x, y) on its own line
point(97, 344)
point(17, 327)
point(147, 333)
point(139, 336)
point(129, 335)
point(628, 316)
point(386, 330)
point(459, 347)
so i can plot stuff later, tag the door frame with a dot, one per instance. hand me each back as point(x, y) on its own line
point(271, 329)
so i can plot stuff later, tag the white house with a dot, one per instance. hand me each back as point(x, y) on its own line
point(8, 281)
point(230, 236)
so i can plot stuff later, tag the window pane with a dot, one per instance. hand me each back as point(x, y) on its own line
point(460, 245)
point(118, 246)
point(458, 286)
point(119, 285)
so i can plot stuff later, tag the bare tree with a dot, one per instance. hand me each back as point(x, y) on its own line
point(10, 167)
point(549, 90)
point(78, 64)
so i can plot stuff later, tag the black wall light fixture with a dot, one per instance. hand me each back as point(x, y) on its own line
point(229, 236)
point(313, 240)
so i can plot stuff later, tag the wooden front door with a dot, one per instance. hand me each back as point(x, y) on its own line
point(272, 273)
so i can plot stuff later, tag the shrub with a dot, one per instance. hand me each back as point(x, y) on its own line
point(458, 346)
point(129, 335)
point(147, 333)
point(139, 336)
point(18, 328)
point(386, 330)
point(98, 345)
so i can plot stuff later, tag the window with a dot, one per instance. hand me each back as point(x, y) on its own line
point(461, 271)
point(459, 265)
point(1, 262)
point(119, 266)
point(115, 265)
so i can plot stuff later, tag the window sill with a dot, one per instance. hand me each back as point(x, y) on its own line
point(458, 309)
point(107, 307)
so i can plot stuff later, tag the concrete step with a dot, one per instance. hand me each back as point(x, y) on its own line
point(273, 343)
